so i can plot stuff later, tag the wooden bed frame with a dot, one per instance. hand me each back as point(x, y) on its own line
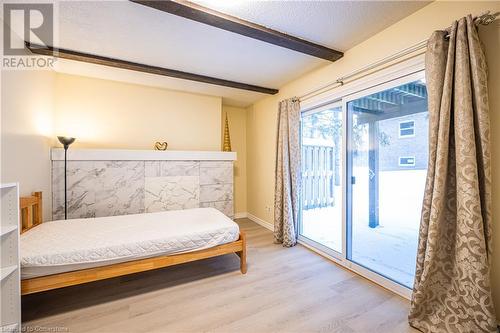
point(31, 216)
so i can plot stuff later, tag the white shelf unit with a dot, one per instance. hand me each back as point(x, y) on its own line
point(10, 319)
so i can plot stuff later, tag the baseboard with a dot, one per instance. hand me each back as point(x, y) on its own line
point(261, 222)
point(241, 215)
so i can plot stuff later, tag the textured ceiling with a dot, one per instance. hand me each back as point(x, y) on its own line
point(129, 31)
point(336, 24)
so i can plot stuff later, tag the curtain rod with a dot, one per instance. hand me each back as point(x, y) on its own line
point(483, 19)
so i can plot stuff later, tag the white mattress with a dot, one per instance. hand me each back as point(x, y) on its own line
point(62, 246)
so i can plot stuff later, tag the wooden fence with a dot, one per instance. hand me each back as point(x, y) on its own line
point(318, 176)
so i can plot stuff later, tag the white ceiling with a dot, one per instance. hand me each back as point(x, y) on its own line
point(129, 31)
point(337, 24)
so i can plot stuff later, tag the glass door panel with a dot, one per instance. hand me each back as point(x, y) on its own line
point(387, 165)
point(321, 197)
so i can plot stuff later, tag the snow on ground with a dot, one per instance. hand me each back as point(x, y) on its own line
point(389, 249)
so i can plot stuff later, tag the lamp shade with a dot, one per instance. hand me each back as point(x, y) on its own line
point(66, 140)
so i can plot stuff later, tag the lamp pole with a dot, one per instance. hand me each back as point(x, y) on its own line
point(65, 141)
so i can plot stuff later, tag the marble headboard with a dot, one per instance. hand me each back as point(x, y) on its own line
point(118, 182)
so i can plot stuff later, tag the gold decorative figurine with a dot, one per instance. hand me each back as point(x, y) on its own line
point(226, 146)
point(161, 145)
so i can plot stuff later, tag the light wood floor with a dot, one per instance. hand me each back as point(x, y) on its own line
point(285, 290)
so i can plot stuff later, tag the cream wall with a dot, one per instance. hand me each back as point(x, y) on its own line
point(237, 129)
point(262, 116)
point(27, 106)
point(26, 131)
point(38, 105)
point(110, 114)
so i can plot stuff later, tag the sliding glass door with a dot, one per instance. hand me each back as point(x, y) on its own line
point(322, 160)
point(375, 228)
point(387, 166)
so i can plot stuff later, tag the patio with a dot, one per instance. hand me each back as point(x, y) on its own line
point(388, 249)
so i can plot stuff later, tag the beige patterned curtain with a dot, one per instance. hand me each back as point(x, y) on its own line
point(452, 285)
point(286, 193)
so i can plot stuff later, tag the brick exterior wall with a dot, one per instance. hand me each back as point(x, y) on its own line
point(415, 146)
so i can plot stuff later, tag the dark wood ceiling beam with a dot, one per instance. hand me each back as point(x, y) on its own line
point(133, 66)
point(223, 21)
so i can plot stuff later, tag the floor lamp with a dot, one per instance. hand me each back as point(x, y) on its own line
point(65, 141)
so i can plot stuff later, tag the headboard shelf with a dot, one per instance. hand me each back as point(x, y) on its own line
point(31, 211)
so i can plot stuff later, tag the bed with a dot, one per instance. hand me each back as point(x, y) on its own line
point(62, 253)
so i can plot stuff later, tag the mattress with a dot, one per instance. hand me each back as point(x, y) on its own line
point(63, 246)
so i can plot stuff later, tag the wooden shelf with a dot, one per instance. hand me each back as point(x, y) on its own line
point(6, 271)
point(8, 229)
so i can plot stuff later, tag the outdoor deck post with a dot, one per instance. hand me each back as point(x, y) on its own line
point(373, 170)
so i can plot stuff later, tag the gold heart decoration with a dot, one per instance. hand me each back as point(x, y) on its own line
point(161, 145)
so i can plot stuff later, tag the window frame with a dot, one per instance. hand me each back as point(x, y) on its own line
point(407, 165)
point(403, 136)
point(402, 72)
point(308, 242)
